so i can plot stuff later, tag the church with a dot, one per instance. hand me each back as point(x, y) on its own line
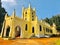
point(27, 26)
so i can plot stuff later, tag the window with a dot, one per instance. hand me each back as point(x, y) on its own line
point(47, 30)
point(25, 12)
point(26, 27)
point(17, 31)
point(17, 28)
point(50, 31)
point(32, 19)
point(32, 16)
point(40, 28)
point(32, 13)
point(7, 31)
point(32, 29)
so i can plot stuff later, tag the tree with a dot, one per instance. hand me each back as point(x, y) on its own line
point(2, 15)
point(54, 19)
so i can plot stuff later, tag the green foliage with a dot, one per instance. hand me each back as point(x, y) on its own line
point(2, 15)
point(54, 19)
point(48, 21)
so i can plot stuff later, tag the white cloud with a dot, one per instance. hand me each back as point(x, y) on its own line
point(11, 2)
point(8, 0)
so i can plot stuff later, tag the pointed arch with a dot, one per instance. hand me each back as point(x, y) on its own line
point(32, 29)
point(17, 31)
point(7, 31)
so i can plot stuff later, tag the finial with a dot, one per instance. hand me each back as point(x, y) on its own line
point(34, 9)
point(14, 13)
point(23, 8)
point(6, 15)
point(29, 5)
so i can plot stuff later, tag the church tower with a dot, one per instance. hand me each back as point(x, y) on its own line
point(0, 3)
point(29, 14)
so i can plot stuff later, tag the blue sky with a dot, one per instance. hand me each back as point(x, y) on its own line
point(44, 8)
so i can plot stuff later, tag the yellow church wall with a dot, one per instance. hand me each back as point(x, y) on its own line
point(36, 29)
point(54, 30)
point(27, 15)
point(8, 20)
point(44, 27)
point(22, 23)
point(29, 11)
point(42, 31)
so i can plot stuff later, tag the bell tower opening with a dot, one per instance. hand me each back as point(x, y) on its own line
point(29, 13)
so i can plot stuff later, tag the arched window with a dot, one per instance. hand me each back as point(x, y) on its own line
point(32, 19)
point(32, 29)
point(17, 28)
point(40, 28)
point(32, 13)
point(25, 18)
point(17, 31)
point(50, 31)
point(26, 12)
point(26, 27)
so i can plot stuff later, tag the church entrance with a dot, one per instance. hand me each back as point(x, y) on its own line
point(18, 31)
point(7, 32)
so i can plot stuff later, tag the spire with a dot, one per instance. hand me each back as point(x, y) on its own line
point(6, 15)
point(23, 8)
point(22, 11)
point(29, 6)
point(14, 13)
point(34, 9)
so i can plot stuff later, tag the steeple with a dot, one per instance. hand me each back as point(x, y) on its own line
point(0, 3)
